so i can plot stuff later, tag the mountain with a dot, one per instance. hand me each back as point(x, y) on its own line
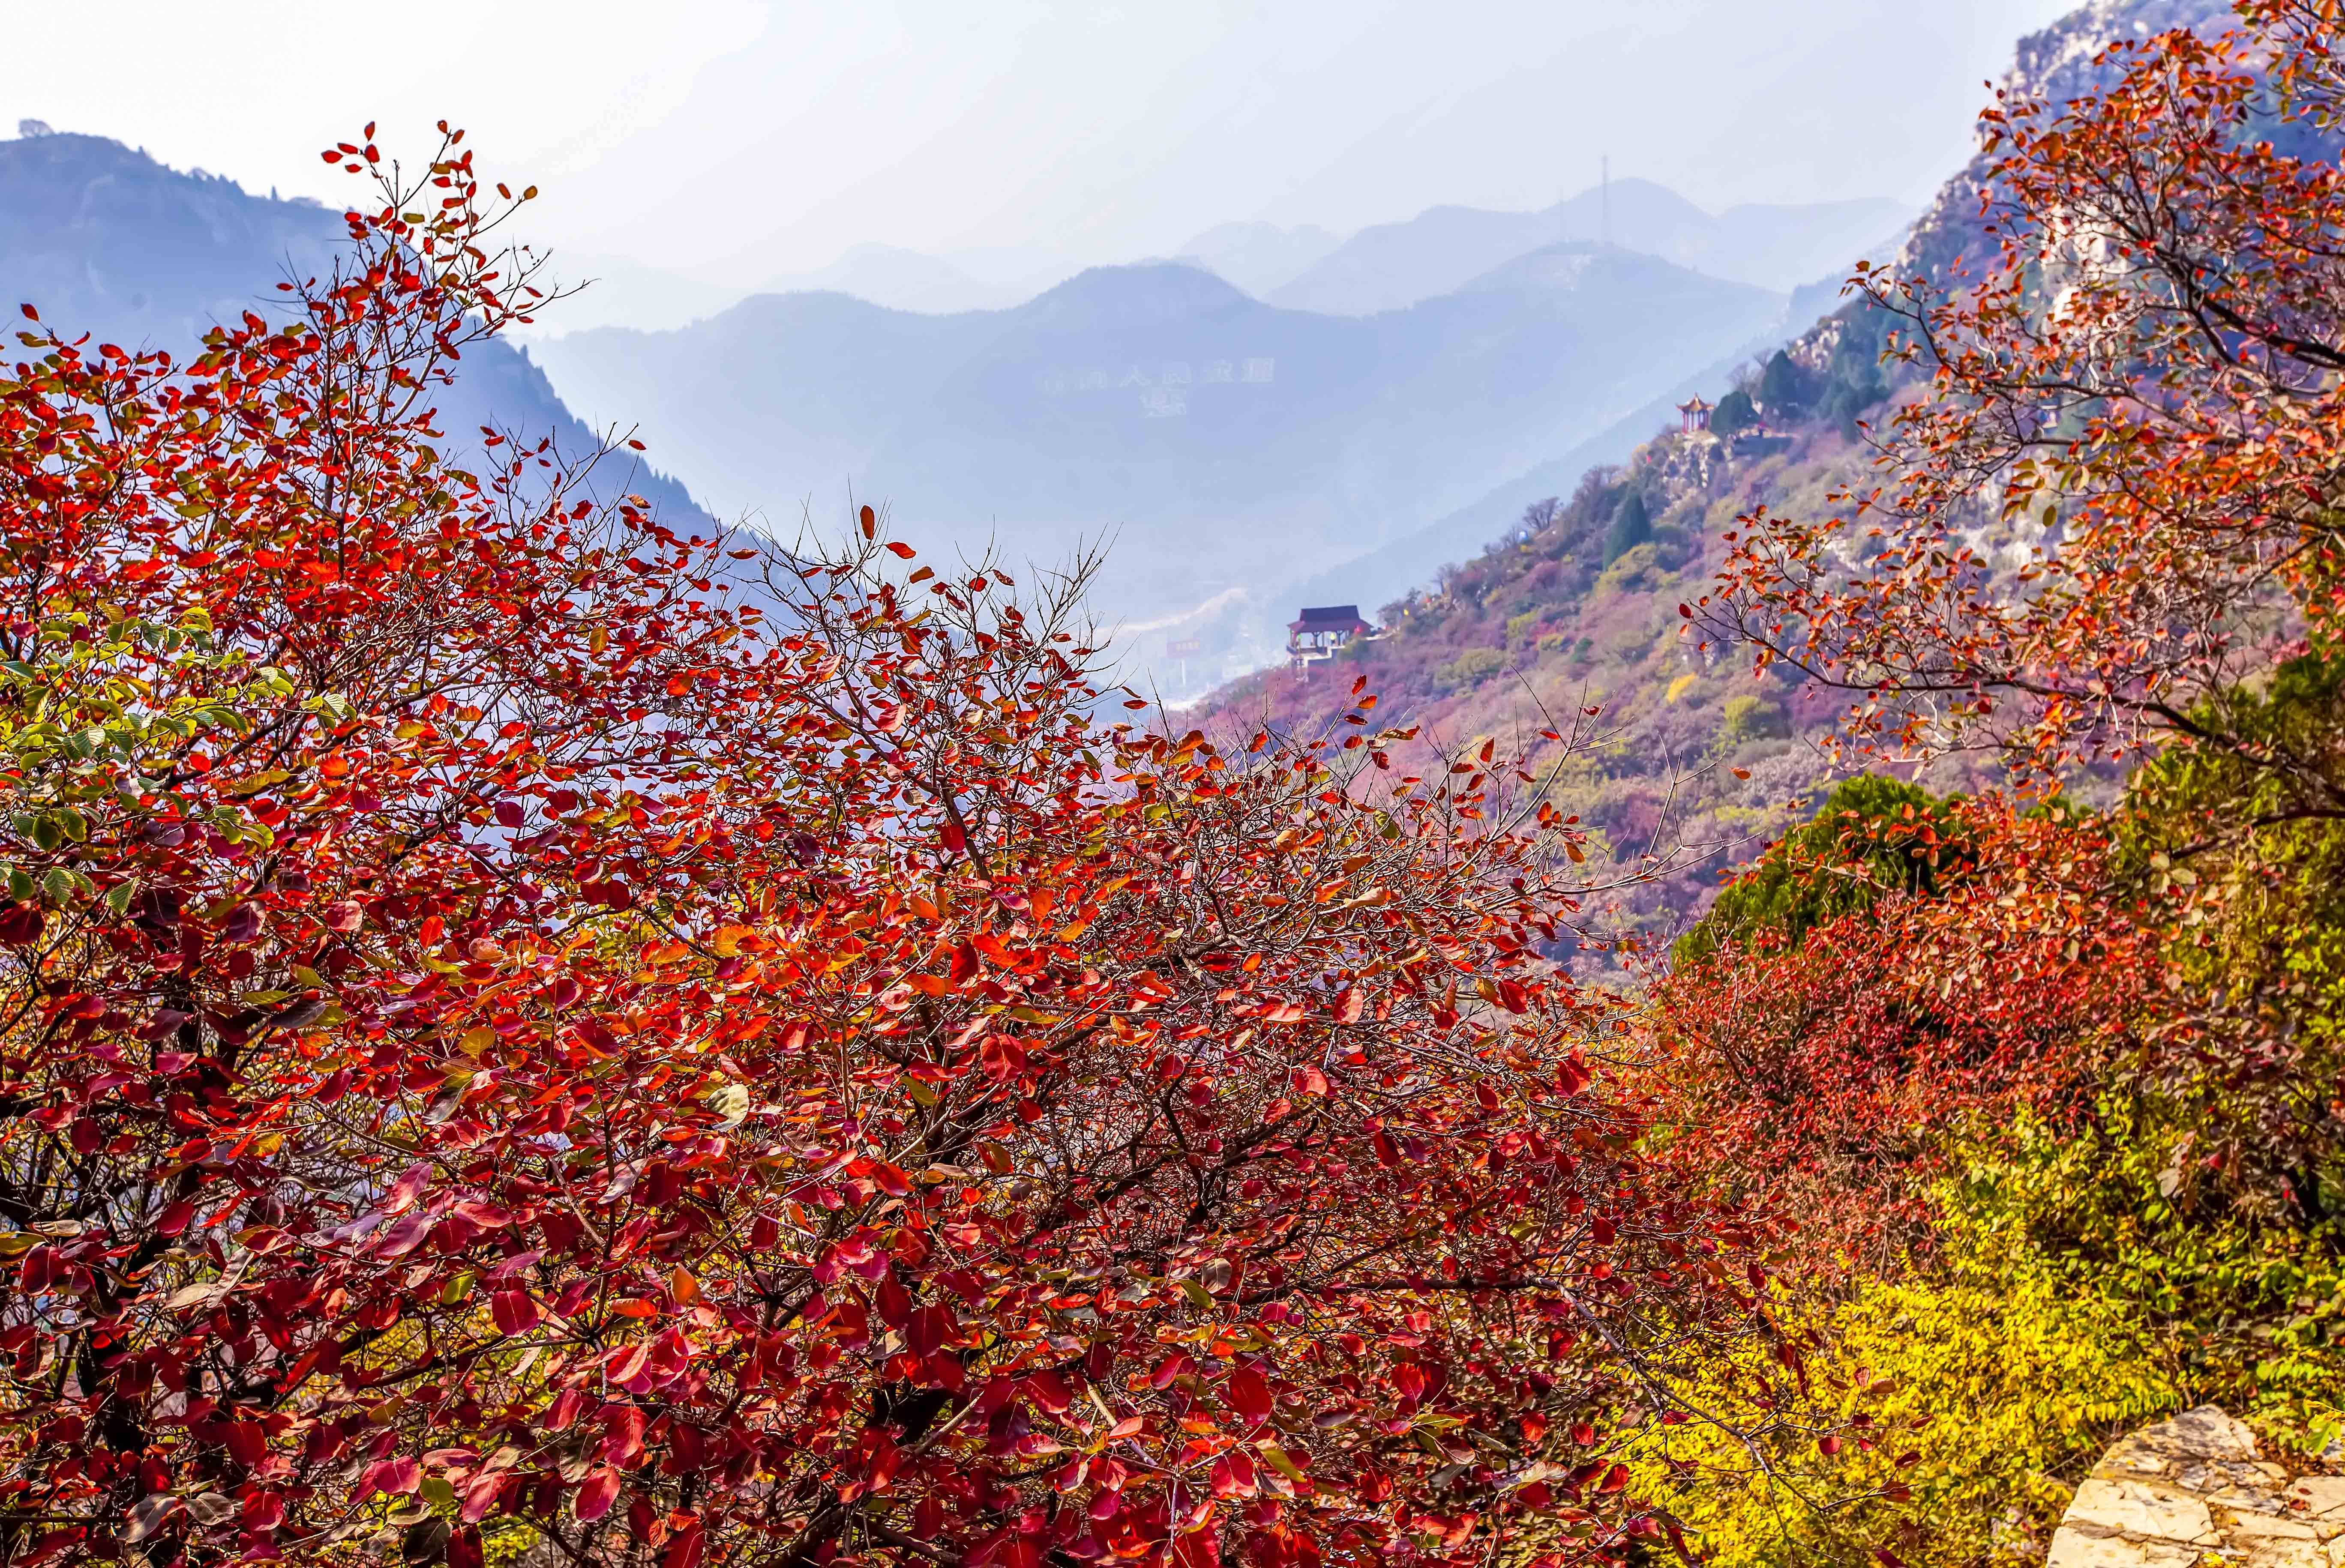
point(106, 240)
point(1223, 443)
point(897, 280)
point(1393, 265)
point(1388, 572)
point(1559, 597)
point(1258, 257)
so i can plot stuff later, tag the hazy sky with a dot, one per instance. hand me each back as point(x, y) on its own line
point(736, 139)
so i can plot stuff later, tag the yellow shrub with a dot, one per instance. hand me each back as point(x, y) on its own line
point(1967, 1407)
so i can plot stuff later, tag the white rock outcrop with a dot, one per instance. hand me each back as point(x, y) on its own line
point(2194, 1492)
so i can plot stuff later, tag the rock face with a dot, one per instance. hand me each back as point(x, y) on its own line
point(2194, 1491)
point(2055, 64)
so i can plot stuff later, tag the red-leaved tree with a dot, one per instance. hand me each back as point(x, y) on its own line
point(2117, 495)
point(521, 1029)
point(1819, 1072)
point(2107, 530)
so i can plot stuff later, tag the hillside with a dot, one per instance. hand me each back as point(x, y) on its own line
point(106, 240)
point(1572, 601)
point(2056, 63)
point(1228, 446)
point(1576, 608)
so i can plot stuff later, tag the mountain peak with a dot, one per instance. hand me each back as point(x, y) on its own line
point(1138, 292)
point(897, 280)
point(1258, 257)
point(1447, 248)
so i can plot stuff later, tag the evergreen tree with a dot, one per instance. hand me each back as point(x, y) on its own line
point(1735, 411)
point(1782, 387)
point(1632, 525)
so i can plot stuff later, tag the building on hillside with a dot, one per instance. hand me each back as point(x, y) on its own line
point(1324, 631)
point(1693, 414)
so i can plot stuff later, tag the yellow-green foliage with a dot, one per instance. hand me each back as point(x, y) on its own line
point(1749, 717)
point(1634, 571)
point(1968, 1396)
point(506, 1540)
point(1472, 665)
point(2073, 1295)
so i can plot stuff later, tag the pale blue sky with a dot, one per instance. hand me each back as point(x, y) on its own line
point(736, 139)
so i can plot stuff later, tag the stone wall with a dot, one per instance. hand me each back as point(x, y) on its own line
point(2193, 1492)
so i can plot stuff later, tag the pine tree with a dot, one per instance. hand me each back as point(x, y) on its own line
point(1632, 525)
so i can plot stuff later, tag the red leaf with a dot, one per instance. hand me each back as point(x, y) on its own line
point(514, 1312)
point(597, 1494)
point(1050, 1391)
point(20, 924)
point(1249, 1395)
point(927, 1329)
point(407, 1233)
point(684, 1547)
point(394, 1477)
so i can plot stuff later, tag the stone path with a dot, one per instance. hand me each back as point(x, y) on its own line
point(2193, 1492)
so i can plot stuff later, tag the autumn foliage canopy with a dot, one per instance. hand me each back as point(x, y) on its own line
point(525, 1030)
point(529, 1034)
point(2093, 1052)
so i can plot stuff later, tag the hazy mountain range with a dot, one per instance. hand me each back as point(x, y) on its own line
point(1306, 268)
point(1259, 256)
point(1778, 248)
point(1229, 446)
point(1242, 421)
point(1223, 443)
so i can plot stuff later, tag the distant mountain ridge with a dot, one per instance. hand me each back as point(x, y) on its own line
point(106, 240)
point(1222, 442)
point(1393, 265)
point(2056, 63)
point(1538, 598)
point(899, 280)
point(1259, 256)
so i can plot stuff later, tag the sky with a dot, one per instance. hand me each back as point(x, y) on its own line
point(738, 140)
